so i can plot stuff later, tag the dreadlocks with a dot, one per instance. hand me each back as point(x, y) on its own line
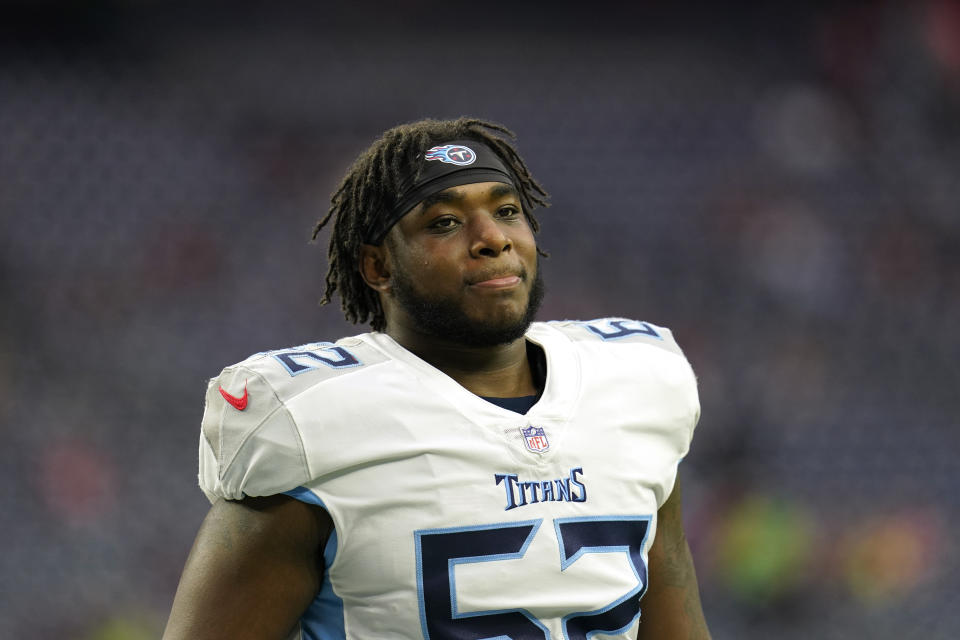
point(372, 183)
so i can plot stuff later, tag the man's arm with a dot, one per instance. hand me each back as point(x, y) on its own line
point(671, 610)
point(255, 566)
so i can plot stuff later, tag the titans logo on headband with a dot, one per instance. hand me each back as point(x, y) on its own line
point(452, 154)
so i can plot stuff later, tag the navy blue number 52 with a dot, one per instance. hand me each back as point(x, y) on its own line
point(439, 551)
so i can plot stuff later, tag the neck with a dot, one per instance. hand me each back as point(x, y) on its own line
point(501, 371)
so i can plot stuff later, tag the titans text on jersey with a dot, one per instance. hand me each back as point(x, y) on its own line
point(520, 493)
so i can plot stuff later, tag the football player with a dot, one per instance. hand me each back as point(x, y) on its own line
point(460, 471)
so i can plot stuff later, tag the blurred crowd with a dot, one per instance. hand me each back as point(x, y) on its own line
point(781, 188)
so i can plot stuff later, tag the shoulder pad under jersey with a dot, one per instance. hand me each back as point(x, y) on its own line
point(249, 442)
point(619, 330)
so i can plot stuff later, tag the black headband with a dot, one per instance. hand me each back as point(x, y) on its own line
point(444, 166)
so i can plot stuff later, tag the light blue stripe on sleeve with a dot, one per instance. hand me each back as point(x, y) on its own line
point(323, 619)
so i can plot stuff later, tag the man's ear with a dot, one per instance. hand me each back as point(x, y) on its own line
point(374, 268)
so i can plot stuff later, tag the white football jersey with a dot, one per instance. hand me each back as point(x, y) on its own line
point(455, 518)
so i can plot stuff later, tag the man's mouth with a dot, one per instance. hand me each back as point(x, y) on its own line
point(498, 282)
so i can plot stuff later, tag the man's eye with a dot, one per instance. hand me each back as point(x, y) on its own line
point(443, 223)
point(508, 211)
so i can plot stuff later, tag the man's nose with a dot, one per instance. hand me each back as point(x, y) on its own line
point(489, 237)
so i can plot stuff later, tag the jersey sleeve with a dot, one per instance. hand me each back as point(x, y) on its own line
point(249, 442)
point(687, 383)
point(679, 383)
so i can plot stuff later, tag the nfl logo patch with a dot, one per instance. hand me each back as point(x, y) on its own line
point(535, 438)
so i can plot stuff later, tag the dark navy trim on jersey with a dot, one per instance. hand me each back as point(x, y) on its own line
point(518, 405)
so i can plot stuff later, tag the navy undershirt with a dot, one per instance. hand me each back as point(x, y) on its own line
point(518, 405)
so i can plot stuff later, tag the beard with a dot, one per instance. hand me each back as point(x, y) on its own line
point(444, 318)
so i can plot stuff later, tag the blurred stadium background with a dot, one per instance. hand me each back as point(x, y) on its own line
point(779, 185)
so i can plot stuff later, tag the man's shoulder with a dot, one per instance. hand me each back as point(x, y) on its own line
point(290, 370)
point(251, 441)
point(612, 332)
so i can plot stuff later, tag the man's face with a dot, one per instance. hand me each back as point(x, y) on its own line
point(464, 266)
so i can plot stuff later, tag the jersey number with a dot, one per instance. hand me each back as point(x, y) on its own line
point(439, 551)
point(297, 361)
point(614, 329)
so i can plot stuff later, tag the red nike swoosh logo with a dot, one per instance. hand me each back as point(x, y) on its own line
point(238, 403)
